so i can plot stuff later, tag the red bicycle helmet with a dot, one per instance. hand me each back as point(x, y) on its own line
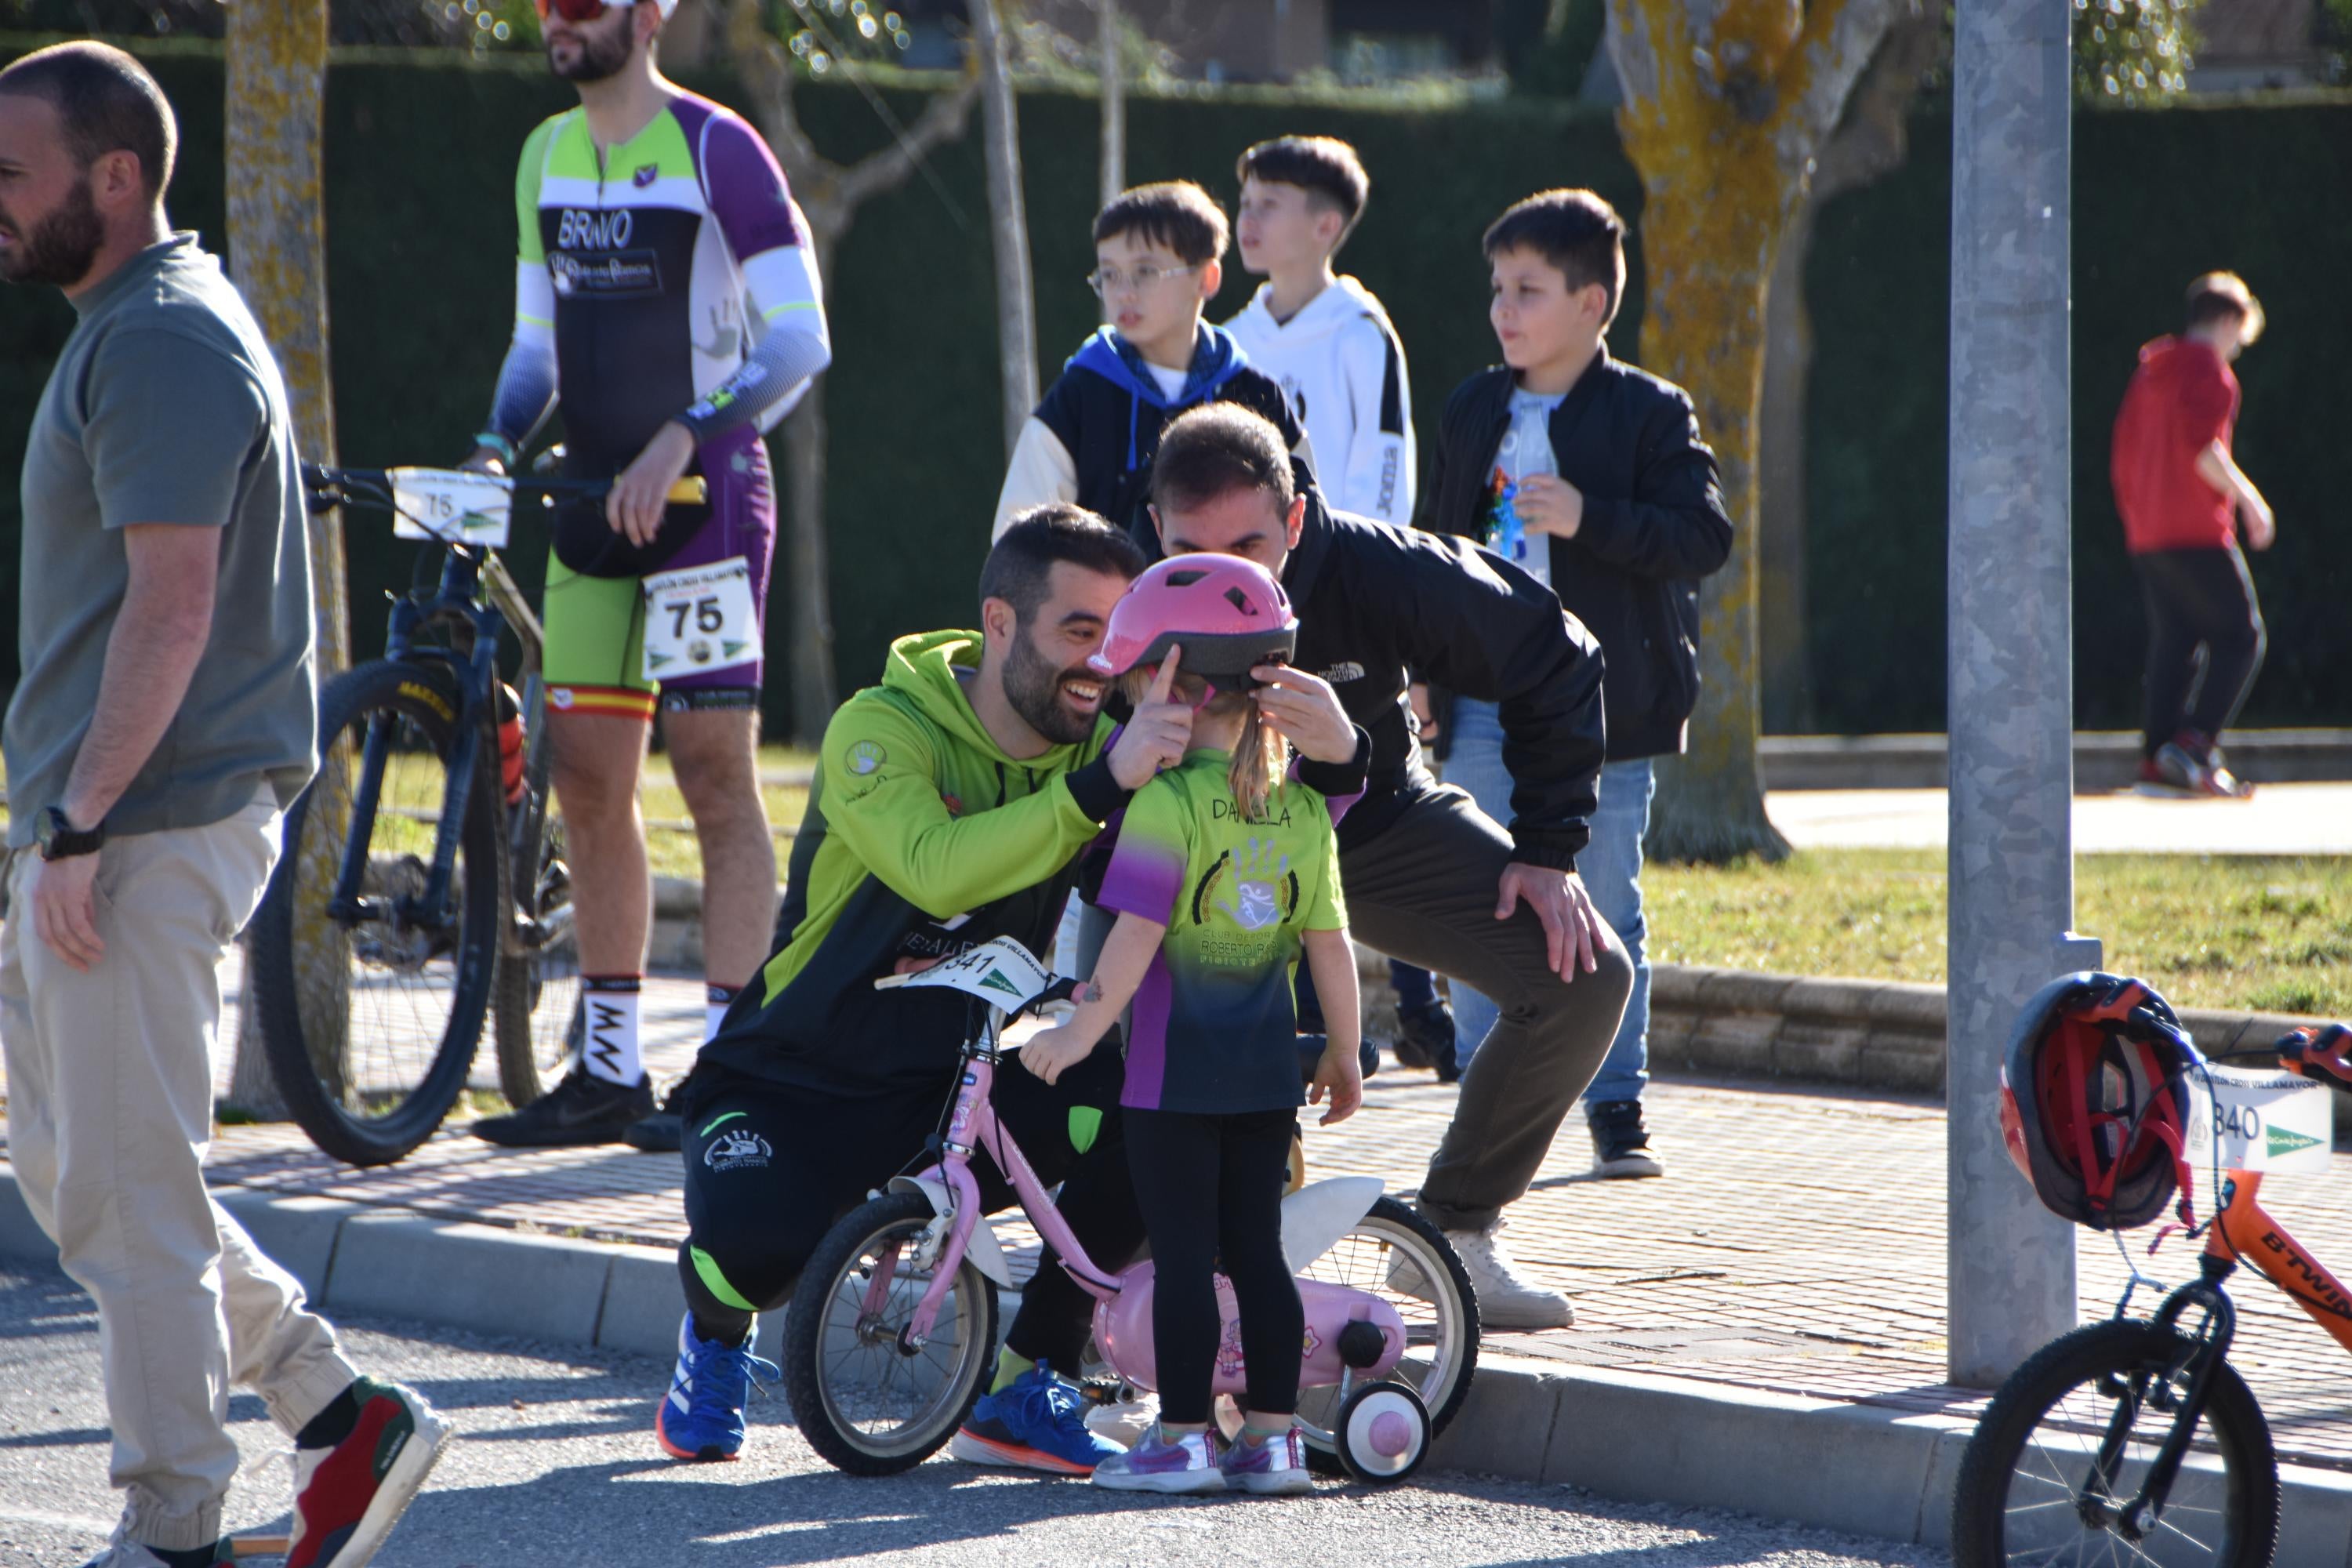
point(1229, 615)
point(2094, 1099)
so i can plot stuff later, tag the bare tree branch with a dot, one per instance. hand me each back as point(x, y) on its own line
point(942, 120)
point(1840, 39)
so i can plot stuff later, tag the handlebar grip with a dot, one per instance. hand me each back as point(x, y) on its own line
point(2329, 1052)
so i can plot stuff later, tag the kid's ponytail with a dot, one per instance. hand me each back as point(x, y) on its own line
point(1261, 757)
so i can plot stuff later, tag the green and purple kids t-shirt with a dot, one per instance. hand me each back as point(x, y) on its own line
point(1216, 1025)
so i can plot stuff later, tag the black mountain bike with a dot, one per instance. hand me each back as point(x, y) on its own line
point(411, 899)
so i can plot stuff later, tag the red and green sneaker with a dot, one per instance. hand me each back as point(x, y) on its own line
point(347, 1498)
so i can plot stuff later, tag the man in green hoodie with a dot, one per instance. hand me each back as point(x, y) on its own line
point(949, 806)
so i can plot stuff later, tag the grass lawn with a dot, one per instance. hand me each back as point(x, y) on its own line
point(2266, 933)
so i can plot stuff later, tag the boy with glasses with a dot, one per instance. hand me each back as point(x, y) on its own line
point(1158, 255)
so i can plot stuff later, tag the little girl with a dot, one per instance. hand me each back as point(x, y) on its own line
point(1224, 871)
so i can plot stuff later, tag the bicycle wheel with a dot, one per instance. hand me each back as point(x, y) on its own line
point(536, 1009)
point(370, 1068)
point(2031, 1487)
point(863, 1402)
point(1395, 1253)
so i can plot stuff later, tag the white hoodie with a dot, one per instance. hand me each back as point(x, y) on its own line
point(1341, 366)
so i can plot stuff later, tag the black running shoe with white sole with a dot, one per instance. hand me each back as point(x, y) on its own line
point(582, 1110)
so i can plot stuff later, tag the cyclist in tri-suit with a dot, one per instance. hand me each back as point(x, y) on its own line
point(667, 305)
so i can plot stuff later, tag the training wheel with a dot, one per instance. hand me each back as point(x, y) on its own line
point(1383, 1433)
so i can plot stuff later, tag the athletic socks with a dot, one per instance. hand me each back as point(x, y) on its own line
point(1008, 1369)
point(613, 1053)
point(716, 1000)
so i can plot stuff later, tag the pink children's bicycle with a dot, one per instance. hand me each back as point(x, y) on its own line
point(892, 1330)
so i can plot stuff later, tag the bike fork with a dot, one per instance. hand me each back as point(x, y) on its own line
point(2139, 1517)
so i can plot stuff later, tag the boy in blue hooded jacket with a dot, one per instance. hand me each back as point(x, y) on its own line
point(1158, 251)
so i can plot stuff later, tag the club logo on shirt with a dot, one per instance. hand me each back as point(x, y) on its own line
point(865, 756)
point(738, 1150)
point(644, 175)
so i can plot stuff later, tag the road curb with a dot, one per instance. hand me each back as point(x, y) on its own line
point(1862, 1033)
point(1862, 1469)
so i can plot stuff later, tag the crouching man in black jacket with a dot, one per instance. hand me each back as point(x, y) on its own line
point(1428, 877)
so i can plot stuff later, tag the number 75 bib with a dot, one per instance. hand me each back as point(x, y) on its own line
point(699, 618)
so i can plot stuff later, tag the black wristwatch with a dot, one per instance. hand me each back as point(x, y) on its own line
point(59, 839)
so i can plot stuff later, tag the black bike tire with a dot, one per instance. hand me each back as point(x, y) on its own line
point(510, 1013)
point(1325, 1460)
point(805, 1324)
point(1979, 1499)
point(380, 1140)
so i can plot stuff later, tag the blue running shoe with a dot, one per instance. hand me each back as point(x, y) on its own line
point(701, 1417)
point(1036, 1421)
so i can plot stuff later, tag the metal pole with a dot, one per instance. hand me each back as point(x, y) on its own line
point(2011, 876)
point(1114, 105)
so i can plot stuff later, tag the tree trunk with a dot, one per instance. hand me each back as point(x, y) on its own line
point(1114, 105)
point(1708, 246)
point(276, 73)
point(829, 195)
point(811, 598)
point(1786, 674)
point(1871, 142)
point(1725, 104)
point(1016, 332)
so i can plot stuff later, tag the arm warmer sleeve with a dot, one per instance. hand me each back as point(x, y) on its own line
point(795, 344)
point(526, 389)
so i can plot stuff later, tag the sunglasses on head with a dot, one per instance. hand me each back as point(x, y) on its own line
point(580, 10)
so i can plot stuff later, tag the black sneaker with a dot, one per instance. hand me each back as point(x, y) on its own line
point(662, 1132)
point(1621, 1145)
point(582, 1110)
point(1425, 1035)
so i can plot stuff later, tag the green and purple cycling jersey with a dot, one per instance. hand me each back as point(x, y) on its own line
point(669, 278)
point(1215, 1024)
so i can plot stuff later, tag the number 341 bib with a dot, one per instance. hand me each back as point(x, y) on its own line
point(699, 618)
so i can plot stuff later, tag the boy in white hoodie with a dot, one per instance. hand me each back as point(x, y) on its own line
point(1324, 338)
point(1326, 341)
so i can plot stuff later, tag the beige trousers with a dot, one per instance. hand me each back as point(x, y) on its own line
point(109, 1115)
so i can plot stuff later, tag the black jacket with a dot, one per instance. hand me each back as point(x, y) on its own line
point(1374, 600)
point(1653, 525)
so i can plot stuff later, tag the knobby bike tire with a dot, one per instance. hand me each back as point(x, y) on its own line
point(803, 1343)
point(535, 838)
point(2250, 1490)
point(426, 698)
point(1462, 1300)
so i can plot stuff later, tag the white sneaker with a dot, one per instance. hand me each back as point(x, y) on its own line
point(1506, 1298)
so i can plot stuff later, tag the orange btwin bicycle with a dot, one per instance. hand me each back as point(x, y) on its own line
point(2133, 1441)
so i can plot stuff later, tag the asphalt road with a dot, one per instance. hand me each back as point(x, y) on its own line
point(555, 1464)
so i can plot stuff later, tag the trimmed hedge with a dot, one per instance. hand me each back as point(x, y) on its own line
point(420, 158)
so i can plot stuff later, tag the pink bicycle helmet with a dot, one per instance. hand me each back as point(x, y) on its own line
point(1228, 614)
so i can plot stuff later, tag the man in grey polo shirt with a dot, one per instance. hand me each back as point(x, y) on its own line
point(162, 721)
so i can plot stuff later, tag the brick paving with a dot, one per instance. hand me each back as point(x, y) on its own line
point(1797, 1245)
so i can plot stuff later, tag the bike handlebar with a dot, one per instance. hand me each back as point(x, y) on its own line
point(338, 487)
point(2328, 1050)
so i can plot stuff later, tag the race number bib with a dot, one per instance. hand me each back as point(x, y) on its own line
point(451, 505)
point(699, 618)
point(2262, 1121)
